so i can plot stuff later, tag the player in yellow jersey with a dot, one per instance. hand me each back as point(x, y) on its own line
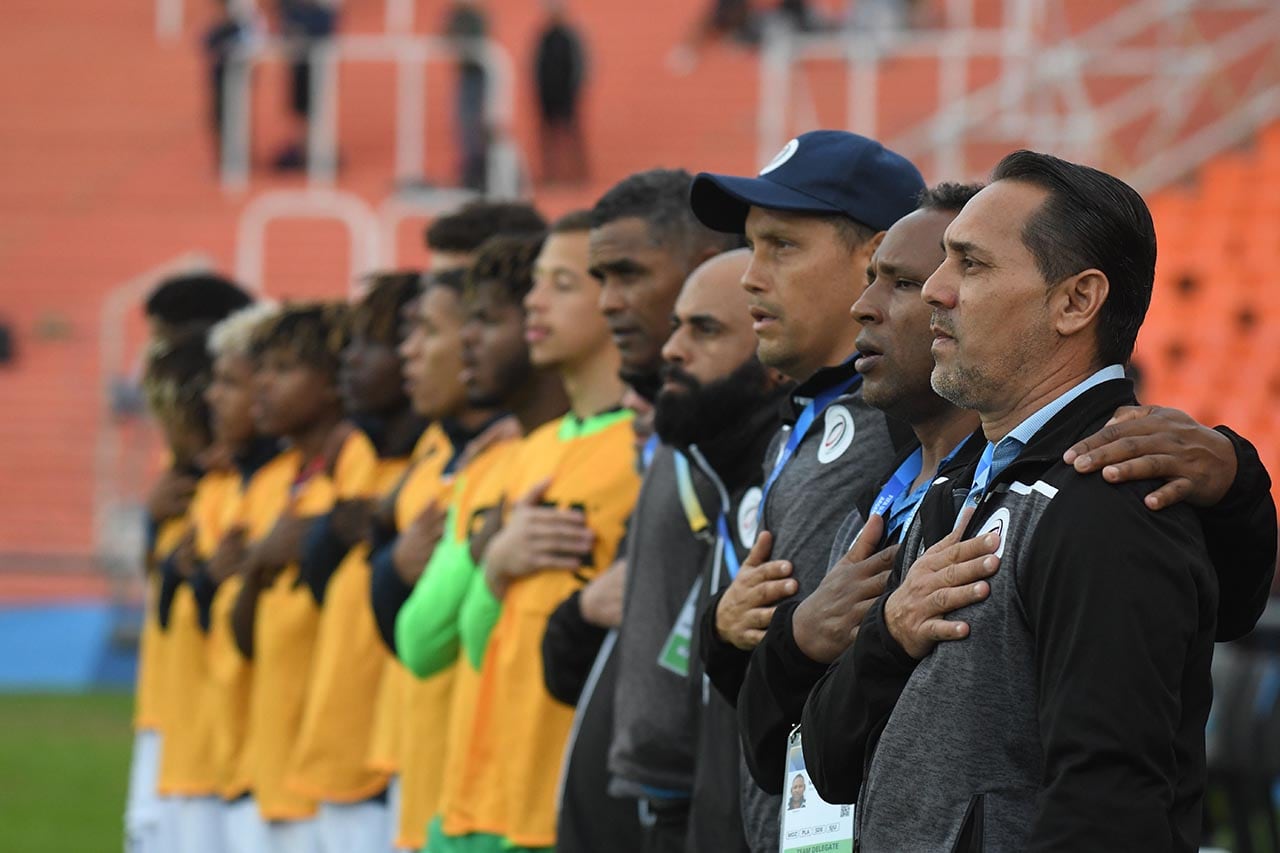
point(329, 759)
point(498, 375)
point(505, 741)
point(275, 617)
point(185, 779)
point(224, 698)
point(183, 303)
point(176, 375)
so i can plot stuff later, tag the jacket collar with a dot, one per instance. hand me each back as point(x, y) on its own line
point(1092, 408)
point(825, 378)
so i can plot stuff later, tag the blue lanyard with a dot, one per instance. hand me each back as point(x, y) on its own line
point(731, 563)
point(808, 415)
point(898, 484)
point(650, 448)
point(980, 476)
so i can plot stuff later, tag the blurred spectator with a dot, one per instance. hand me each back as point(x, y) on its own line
point(307, 22)
point(467, 24)
point(739, 21)
point(724, 18)
point(559, 68)
point(233, 27)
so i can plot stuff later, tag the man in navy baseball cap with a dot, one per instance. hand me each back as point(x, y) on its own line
point(822, 172)
point(813, 217)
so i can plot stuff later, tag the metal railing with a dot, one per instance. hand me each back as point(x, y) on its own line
point(1041, 96)
point(398, 16)
point(411, 55)
point(350, 210)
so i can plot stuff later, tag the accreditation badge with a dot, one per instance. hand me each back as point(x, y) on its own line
point(675, 651)
point(809, 823)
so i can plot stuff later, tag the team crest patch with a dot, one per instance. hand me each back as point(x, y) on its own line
point(837, 434)
point(788, 151)
point(997, 523)
point(749, 517)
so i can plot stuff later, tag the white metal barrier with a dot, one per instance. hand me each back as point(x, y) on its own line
point(1040, 63)
point(396, 209)
point(410, 54)
point(358, 218)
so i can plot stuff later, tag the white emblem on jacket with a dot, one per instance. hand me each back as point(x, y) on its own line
point(749, 517)
point(998, 523)
point(837, 434)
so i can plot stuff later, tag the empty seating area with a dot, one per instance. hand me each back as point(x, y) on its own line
point(1211, 344)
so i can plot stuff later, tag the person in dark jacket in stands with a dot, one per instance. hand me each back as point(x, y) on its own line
point(559, 71)
point(309, 23)
point(1031, 734)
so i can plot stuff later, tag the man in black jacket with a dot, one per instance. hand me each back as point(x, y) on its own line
point(1032, 734)
point(644, 243)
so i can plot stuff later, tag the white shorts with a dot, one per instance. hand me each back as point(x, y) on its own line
point(198, 824)
point(353, 827)
point(393, 813)
point(243, 829)
point(293, 836)
point(148, 817)
point(142, 805)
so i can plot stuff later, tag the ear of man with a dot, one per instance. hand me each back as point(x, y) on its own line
point(1077, 302)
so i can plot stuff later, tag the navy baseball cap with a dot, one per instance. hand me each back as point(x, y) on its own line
point(821, 172)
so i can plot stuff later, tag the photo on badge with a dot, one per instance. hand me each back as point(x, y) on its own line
point(809, 823)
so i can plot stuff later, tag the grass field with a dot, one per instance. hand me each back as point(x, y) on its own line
point(64, 768)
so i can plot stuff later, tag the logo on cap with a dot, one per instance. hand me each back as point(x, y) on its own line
point(788, 151)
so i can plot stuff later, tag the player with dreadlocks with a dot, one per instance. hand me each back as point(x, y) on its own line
point(275, 618)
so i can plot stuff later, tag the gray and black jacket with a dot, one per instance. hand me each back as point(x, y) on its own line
point(733, 461)
point(1072, 717)
point(827, 487)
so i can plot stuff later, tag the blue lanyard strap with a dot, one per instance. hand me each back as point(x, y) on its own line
point(731, 563)
point(898, 484)
point(650, 448)
point(808, 415)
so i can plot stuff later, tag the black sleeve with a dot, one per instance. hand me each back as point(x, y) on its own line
point(569, 648)
point(204, 588)
point(169, 582)
point(1116, 616)
point(388, 594)
point(1241, 534)
point(849, 706)
point(724, 663)
point(778, 680)
point(322, 553)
